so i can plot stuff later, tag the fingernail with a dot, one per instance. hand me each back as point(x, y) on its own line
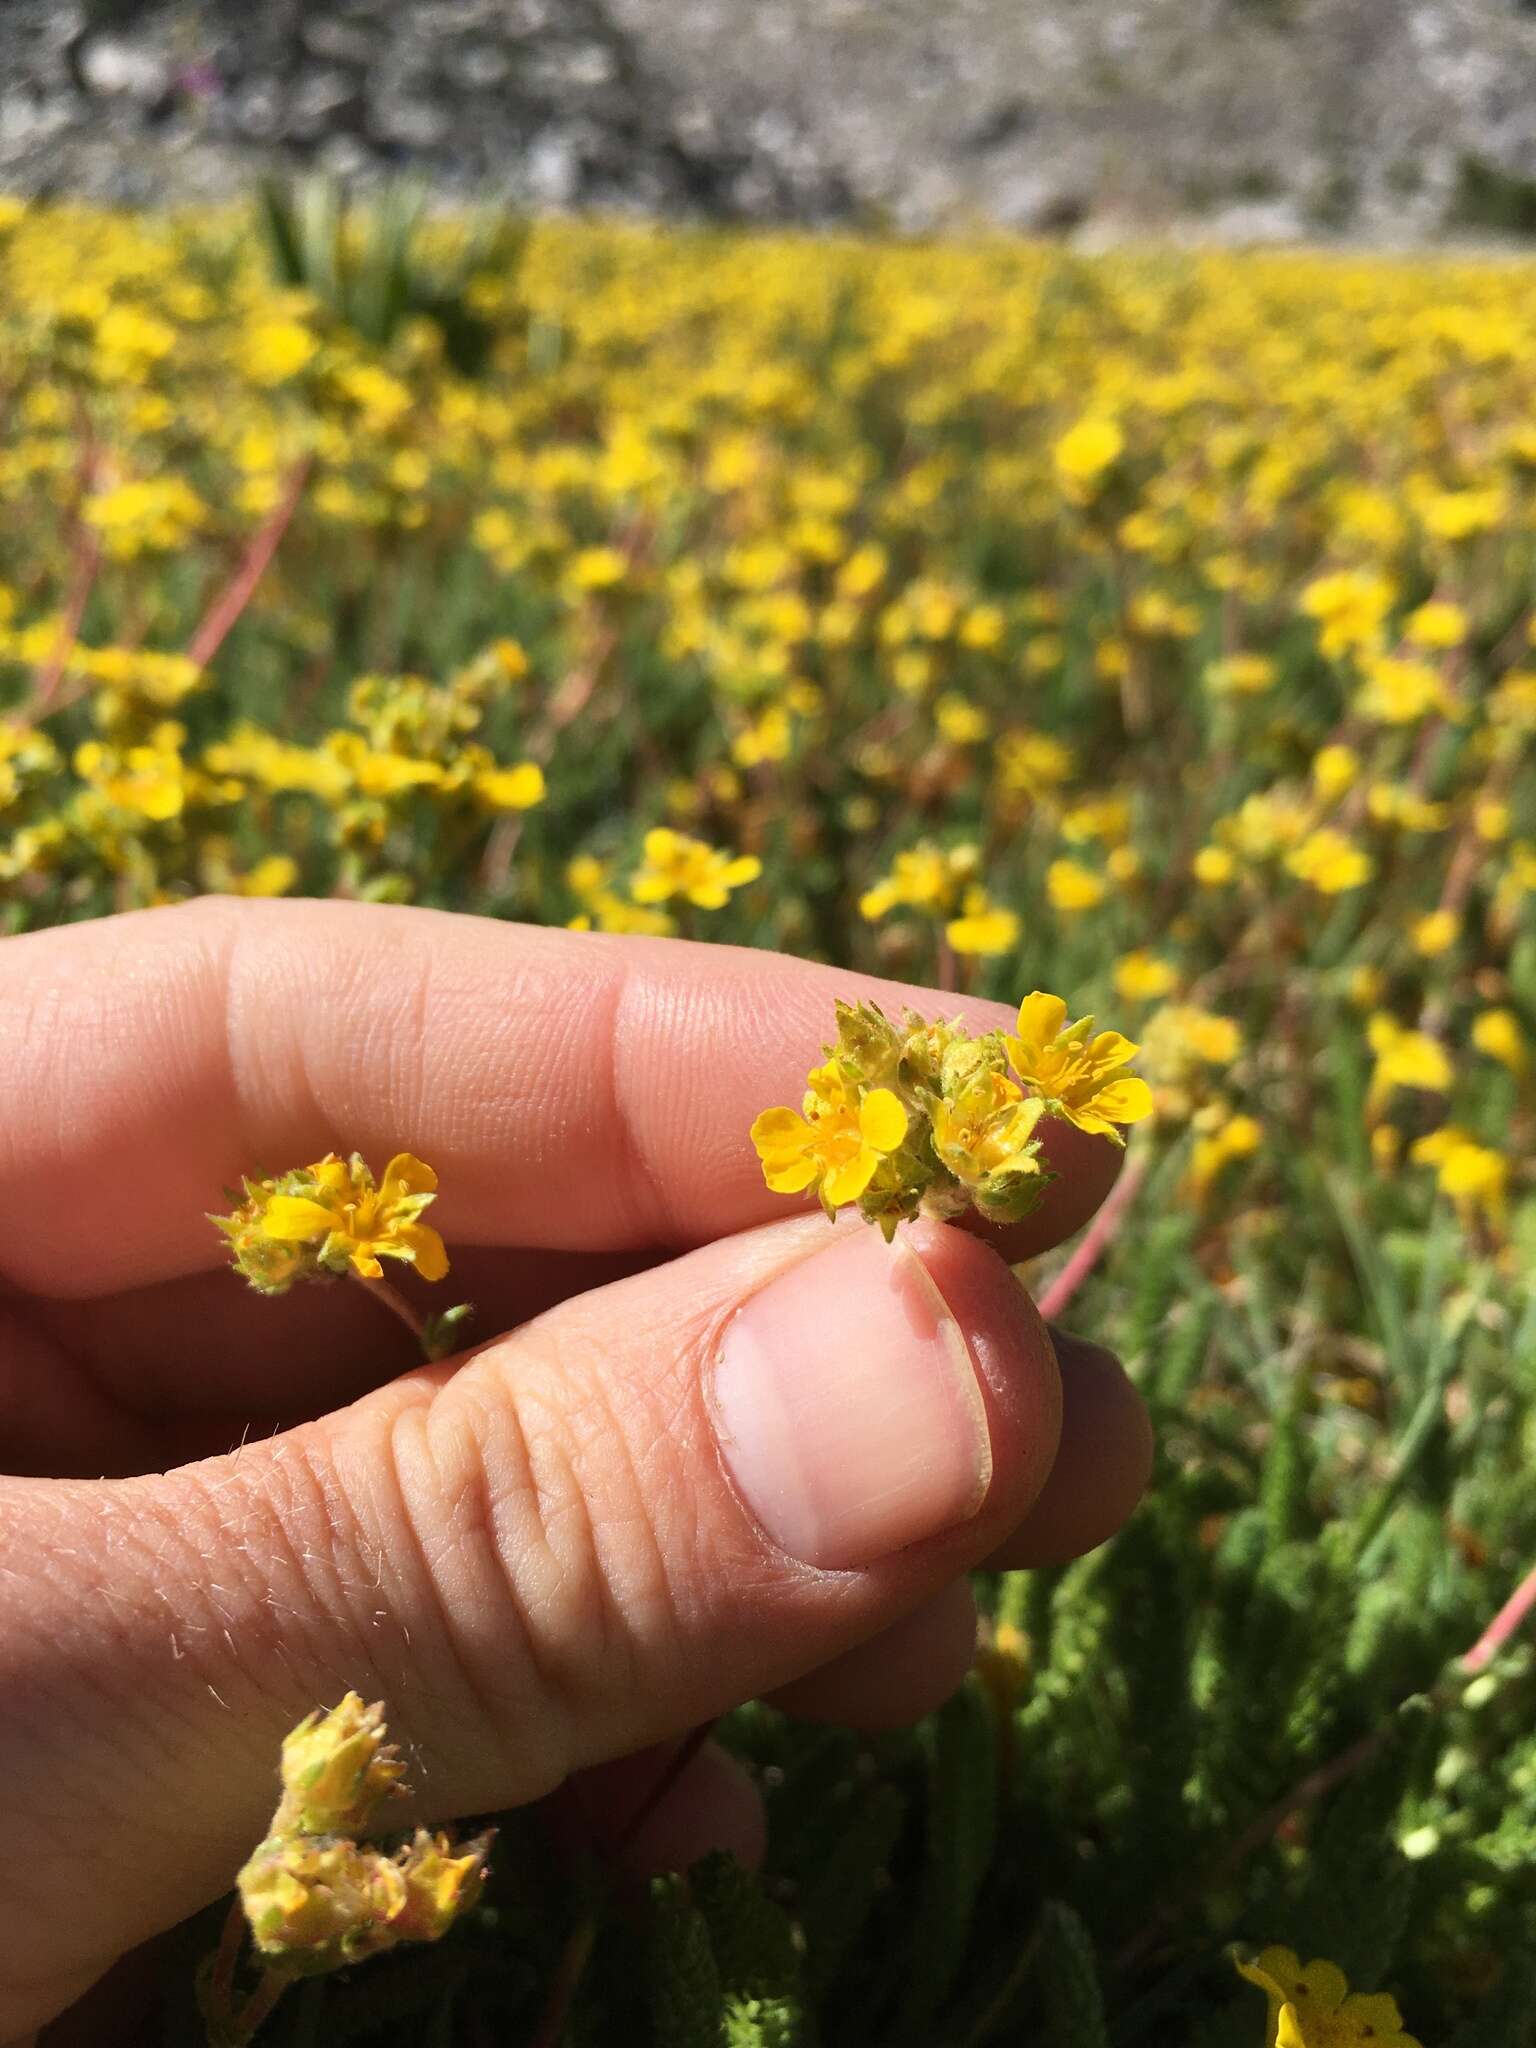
point(848, 1406)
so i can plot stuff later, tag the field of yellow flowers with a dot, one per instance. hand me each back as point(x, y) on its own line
point(1159, 628)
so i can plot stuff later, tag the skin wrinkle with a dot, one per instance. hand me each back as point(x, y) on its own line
point(654, 1223)
point(426, 1497)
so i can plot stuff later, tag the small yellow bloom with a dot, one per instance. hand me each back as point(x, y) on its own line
point(1086, 451)
point(1074, 1072)
point(1213, 867)
point(838, 1144)
point(1312, 2006)
point(517, 788)
point(331, 1218)
point(1498, 1033)
point(1474, 1176)
point(1142, 977)
point(1405, 1059)
point(925, 877)
point(1435, 933)
point(1330, 862)
point(1240, 675)
point(1334, 769)
point(1437, 624)
point(1236, 1138)
point(1071, 886)
point(676, 865)
point(985, 927)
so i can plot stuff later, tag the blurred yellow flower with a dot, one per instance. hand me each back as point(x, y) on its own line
point(984, 927)
point(1330, 862)
point(1474, 1176)
point(1405, 1059)
point(677, 865)
point(1070, 886)
point(1142, 977)
point(1499, 1034)
point(1083, 454)
point(1435, 933)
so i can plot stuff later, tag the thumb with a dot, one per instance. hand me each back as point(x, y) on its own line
point(656, 1500)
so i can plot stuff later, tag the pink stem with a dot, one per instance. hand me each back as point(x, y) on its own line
point(1096, 1240)
point(226, 608)
point(1503, 1625)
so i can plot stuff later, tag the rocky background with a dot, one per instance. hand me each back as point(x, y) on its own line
point(1241, 119)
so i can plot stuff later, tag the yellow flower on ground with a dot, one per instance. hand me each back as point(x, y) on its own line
point(1213, 866)
point(1498, 1033)
point(925, 877)
point(1141, 977)
point(1234, 1138)
point(985, 927)
point(1475, 1177)
point(838, 1144)
point(1435, 933)
point(703, 875)
point(1071, 886)
point(1312, 2006)
point(1330, 862)
point(1405, 1059)
point(333, 1217)
point(1075, 1072)
point(1083, 454)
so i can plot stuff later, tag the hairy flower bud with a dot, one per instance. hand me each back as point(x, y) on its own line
point(336, 1770)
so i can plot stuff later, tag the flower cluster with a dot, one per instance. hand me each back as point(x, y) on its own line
point(316, 1898)
point(924, 1116)
point(333, 1218)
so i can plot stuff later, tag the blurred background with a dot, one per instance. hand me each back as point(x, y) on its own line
point(1238, 119)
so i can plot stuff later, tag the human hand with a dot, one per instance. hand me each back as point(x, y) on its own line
point(702, 1451)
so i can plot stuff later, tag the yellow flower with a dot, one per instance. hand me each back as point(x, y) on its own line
point(985, 928)
point(675, 865)
point(1235, 1138)
point(1349, 607)
point(1498, 1033)
point(517, 788)
point(1334, 769)
point(1474, 1176)
point(839, 1143)
point(1240, 675)
point(1435, 933)
point(984, 1133)
point(1186, 1028)
point(925, 877)
point(1071, 886)
point(1405, 1059)
point(336, 1770)
point(1141, 977)
point(1083, 454)
point(1313, 2007)
point(1074, 1072)
point(319, 1903)
point(1437, 624)
point(1399, 692)
point(332, 1217)
point(1213, 866)
point(1330, 862)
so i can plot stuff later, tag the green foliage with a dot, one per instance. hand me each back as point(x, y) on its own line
point(375, 265)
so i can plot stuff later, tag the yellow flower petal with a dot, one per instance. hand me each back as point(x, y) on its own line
point(787, 1176)
point(779, 1129)
point(882, 1120)
point(845, 1184)
point(1125, 1101)
point(1041, 1018)
point(295, 1219)
point(428, 1253)
point(407, 1175)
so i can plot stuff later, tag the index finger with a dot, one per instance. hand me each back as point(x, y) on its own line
point(574, 1091)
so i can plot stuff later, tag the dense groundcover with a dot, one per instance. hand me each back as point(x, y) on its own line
point(1155, 628)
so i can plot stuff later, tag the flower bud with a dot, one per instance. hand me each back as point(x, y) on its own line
point(336, 1769)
